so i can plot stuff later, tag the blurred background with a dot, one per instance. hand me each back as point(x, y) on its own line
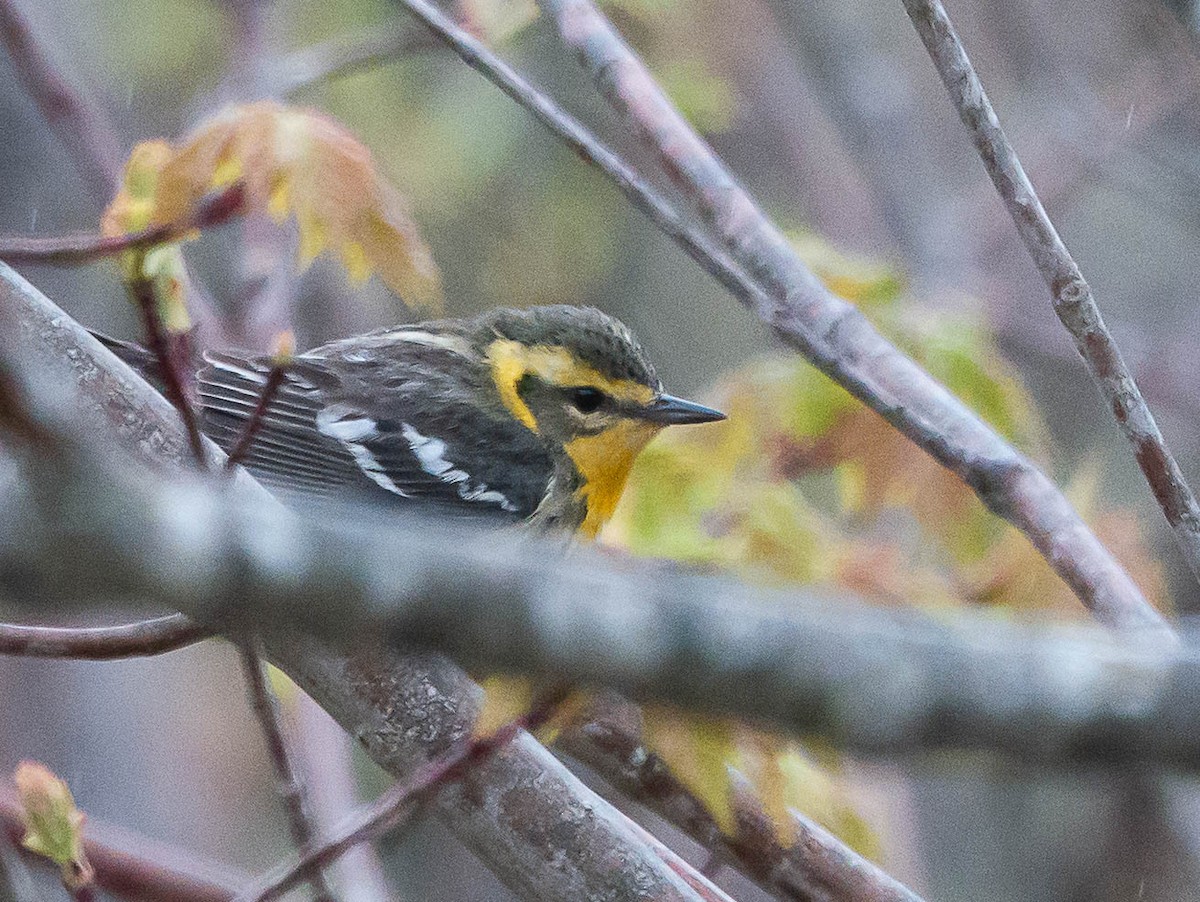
point(831, 114)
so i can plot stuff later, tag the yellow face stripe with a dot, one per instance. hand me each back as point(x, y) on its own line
point(512, 361)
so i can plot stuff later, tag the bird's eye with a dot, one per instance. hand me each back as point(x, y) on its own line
point(586, 400)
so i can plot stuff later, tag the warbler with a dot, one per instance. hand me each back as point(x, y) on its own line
point(534, 415)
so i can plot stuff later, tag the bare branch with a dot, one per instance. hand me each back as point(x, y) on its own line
point(87, 134)
point(75, 250)
point(102, 643)
point(831, 333)
point(137, 867)
point(291, 789)
point(1072, 296)
point(345, 55)
point(875, 681)
point(250, 430)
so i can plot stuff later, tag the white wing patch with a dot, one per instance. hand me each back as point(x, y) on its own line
point(349, 427)
point(431, 452)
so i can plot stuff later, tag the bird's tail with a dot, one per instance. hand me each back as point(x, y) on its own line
point(142, 360)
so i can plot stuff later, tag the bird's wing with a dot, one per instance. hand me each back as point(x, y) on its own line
point(325, 435)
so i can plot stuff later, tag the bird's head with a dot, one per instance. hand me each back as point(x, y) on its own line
point(580, 380)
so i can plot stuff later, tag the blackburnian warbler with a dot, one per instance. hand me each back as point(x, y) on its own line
point(534, 415)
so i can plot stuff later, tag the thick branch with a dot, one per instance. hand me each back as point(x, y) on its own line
point(1072, 296)
point(831, 333)
point(102, 643)
point(524, 814)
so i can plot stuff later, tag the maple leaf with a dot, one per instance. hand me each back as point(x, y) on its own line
point(290, 163)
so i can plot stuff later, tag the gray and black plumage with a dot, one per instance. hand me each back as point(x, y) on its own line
point(530, 415)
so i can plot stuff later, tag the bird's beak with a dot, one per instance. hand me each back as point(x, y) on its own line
point(671, 411)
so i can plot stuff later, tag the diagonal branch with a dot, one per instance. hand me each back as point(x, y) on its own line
point(778, 288)
point(1072, 296)
point(102, 643)
point(75, 250)
point(136, 867)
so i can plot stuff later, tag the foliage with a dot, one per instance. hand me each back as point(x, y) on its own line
point(288, 162)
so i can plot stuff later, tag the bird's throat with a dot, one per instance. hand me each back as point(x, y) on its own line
point(604, 462)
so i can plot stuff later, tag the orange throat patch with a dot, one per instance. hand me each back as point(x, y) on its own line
point(604, 462)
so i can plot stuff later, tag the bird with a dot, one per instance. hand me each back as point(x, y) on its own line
point(532, 415)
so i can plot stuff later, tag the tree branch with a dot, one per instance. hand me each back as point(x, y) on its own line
point(344, 55)
point(830, 332)
point(874, 681)
point(75, 250)
point(102, 643)
point(397, 804)
point(1073, 301)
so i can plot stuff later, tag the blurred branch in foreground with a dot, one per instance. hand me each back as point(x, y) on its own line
point(872, 680)
point(1073, 300)
point(781, 290)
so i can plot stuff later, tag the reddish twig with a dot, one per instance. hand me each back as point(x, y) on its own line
point(1072, 297)
point(287, 779)
point(137, 867)
point(87, 134)
point(75, 250)
point(394, 806)
point(252, 426)
point(779, 289)
point(167, 351)
point(102, 643)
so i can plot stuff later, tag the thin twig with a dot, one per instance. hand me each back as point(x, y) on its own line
point(345, 55)
point(166, 350)
point(87, 134)
point(254, 423)
point(76, 250)
point(1072, 296)
point(287, 779)
point(396, 804)
point(831, 333)
point(325, 756)
point(102, 643)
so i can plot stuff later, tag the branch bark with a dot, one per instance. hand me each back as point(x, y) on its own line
point(1072, 296)
point(781, 291)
